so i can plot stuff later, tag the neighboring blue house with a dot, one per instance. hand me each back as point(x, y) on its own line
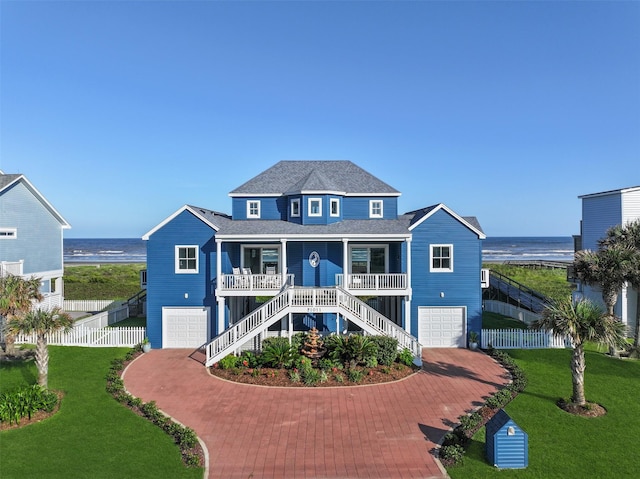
point(313, 243)
point(601, 211)
point(31, 235)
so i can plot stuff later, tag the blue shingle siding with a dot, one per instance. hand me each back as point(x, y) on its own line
point(164, 286)
point(460, 287)
point(39, 233)
point(357, 207)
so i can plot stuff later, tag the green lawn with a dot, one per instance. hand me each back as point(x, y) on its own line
point(92, 435)
point(499, 321)
point(562, 445)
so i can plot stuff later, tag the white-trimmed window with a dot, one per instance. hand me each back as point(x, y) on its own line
point(295, 208)
point(8, 233)
point(334, 205)
point(253, 209)
point(315, 206)
point(441, 258)
point(369, 259)
point(186, 259)
point(375, 209)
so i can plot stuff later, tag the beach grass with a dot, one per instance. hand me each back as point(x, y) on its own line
point(102, 281)
point(92, 435)
point(551, 282)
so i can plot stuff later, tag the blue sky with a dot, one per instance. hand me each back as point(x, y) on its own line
point(122, 112)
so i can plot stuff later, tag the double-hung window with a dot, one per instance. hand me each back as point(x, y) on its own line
point(335, 207)
point(253, 209)
point(315, 206)
point(186, 259)
point(441, 258)
point(375, 209)
point(295, 208)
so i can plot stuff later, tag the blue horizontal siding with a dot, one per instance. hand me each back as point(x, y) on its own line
point(164, 286)
point(460, 287)
point(39, 233)
point(270, 208)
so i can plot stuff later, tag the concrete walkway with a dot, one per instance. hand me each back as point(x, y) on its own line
point(381, 431)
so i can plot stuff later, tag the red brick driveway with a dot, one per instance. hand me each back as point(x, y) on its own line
point(382, 431)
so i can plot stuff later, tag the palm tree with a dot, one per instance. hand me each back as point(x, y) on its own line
point(582, 321)
point(628, 236)
point(16, 298)
point(42, 322)
point(608, 268)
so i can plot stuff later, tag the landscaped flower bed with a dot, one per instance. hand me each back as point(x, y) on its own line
point(310, 361)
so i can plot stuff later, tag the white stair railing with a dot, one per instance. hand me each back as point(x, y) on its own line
point(373, 322)
point(297, 300)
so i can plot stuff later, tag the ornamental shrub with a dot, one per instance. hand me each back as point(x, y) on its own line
point(23, 402)
point(406, 357)
point(229, 362)
point(387, 349)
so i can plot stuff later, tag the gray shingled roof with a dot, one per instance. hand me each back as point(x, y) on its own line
point(289, 177)
point(6, 180)
point(284, 228)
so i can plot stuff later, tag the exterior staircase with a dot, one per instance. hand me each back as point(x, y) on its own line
point(309, 300)
point(510, 291)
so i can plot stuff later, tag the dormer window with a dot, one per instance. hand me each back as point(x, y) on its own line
point(253, 209)
point(375, 209)
point(335, 207)
point(295, 208)
point(315, 206)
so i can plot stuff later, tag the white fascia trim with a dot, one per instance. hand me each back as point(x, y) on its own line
point(443, 207)
point(374, 194)
point(45, 275)
point(170, 218)
point(43, 200)
point(334, 237)
point(611, 192)
point(255, 195)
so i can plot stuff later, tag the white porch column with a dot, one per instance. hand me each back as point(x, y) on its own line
point(221, 301)
point(218, 263)
point(407, 309)
point(345, 262)
point(283, 242)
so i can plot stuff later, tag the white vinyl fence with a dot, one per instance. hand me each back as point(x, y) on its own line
point(521, 339)
point(94, 337)
point(89, 305)
point(510, 311)
point(104, 319)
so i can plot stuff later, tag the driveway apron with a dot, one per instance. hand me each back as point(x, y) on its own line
point(381, 431)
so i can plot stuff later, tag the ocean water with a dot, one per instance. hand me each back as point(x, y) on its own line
point(494, 249)
point(508, 248)
point(105, 250)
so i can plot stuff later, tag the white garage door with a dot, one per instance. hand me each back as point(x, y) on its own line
point(442, 327)
point(184, 327)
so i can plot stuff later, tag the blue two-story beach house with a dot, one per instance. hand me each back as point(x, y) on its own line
point(31, 235)
point(313, 244)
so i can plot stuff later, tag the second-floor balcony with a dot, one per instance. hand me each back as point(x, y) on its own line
point(374, 284)
point(249, 284)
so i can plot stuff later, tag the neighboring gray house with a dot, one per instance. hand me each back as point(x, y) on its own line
point(601, 211)
point(31, 236)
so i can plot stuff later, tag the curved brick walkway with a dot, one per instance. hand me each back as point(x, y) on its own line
point(382, 431)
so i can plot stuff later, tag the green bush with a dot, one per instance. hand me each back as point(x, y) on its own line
point(406, 357)
point(452, 454)
point(229, 362)
point(277, 354)
point(352, 350)
point(24, 402)
point(354, 375)
point(310, 376)
point(387, 349)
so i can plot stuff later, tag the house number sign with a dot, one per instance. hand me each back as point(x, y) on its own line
point(314, 259)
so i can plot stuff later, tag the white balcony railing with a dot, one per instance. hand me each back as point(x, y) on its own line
point(373, 282)
point(254, 282)
point(11, 267)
